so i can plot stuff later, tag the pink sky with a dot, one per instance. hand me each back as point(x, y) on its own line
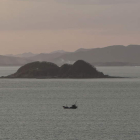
point(42, 26)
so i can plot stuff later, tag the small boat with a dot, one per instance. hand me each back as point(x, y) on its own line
point(74, 106)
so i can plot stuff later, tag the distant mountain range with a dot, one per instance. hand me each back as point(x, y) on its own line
point(28, 54)
point(117, 55)
point(12, 61)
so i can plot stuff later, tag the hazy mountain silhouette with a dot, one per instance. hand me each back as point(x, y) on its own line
point(27, 54)
point(114, 54)
point(12, 61)
point(58, 51)
point(47, 56)
point(117, 55)
point(82, 50)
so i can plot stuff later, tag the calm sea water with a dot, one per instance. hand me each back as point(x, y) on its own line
point(108, 109)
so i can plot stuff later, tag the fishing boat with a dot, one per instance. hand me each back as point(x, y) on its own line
point(74, 106)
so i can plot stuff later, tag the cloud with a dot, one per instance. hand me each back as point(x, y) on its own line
point(31, 24)
point(51, 15)
point(100, 2)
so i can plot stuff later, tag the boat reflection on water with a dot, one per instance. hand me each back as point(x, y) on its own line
point(74, 106)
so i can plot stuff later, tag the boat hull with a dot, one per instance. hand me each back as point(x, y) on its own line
point(65, 107)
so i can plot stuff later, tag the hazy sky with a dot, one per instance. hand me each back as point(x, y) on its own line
point(47, 25)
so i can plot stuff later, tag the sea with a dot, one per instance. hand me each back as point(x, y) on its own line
point(108, 109)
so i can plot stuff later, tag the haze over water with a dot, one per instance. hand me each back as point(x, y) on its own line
point(108, 109)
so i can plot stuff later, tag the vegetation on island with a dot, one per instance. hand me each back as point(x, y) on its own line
point(80, 69)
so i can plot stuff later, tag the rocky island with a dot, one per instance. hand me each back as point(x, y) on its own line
point(80, 69)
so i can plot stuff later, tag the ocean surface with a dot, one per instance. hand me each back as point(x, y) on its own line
point(108, 109)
